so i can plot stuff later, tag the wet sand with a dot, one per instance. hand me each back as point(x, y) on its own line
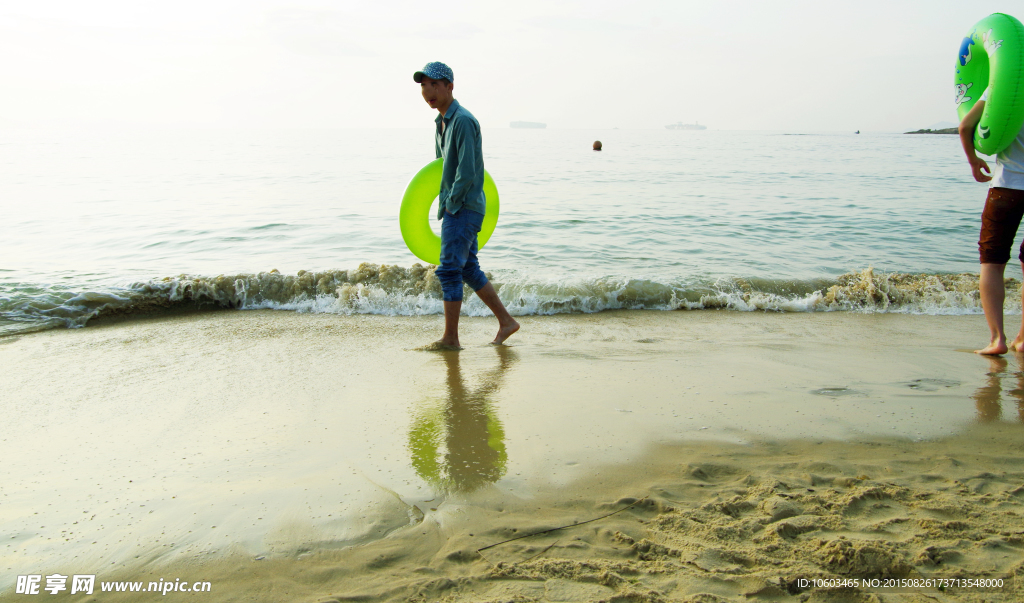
point(297, 457)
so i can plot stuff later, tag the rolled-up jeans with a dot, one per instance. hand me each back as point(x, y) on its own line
point(458, 254)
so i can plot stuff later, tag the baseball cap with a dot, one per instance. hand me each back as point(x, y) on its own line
point(435, 70)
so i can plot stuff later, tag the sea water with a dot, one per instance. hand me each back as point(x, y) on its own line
point(123, 222)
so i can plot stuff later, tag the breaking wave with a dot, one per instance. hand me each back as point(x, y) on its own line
point(401, 291)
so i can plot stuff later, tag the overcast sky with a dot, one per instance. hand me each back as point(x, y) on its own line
point(820, 65)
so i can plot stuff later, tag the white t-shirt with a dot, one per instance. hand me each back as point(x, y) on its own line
point(1009, 172)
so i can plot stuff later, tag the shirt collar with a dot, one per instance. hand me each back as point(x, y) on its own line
point(452, 108)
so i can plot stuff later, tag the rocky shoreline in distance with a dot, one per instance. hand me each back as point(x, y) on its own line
point(939, 131)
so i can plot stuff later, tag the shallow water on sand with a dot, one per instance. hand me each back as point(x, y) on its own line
point(271, 433)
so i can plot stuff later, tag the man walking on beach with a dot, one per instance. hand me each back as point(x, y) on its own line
point(1000, 219)
point(461, 205)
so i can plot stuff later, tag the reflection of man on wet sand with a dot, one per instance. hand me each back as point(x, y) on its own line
point(460, 446)
point(988, 398)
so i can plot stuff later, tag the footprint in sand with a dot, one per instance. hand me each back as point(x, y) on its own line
point(837, 392)
point(931, 385)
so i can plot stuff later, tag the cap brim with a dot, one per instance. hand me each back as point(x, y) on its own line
point(418, 76)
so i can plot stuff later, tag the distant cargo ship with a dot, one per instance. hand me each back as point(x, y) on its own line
point(682, 126)
point(527, 124)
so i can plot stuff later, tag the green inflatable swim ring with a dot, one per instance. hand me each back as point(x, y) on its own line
point(992, 56)
point(414, 216)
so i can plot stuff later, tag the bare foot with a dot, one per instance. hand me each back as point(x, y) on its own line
point(504, 332)
point(996, 348)
point(439, 346)
point(1017, 345)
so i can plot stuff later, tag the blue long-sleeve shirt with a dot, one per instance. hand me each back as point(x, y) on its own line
point(458, 142)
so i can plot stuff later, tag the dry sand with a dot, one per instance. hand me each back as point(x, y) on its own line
point(288, 457)
point(721, 523)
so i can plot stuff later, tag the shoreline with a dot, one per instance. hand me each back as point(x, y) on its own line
point(323, 445)
point(392, 290)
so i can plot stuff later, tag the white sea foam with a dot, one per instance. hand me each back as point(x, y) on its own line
point(400, 291)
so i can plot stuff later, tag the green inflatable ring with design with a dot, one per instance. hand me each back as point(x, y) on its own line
point(992, 56)
point(414, 216)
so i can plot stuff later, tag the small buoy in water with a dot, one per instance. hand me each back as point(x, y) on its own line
point(597, 145)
